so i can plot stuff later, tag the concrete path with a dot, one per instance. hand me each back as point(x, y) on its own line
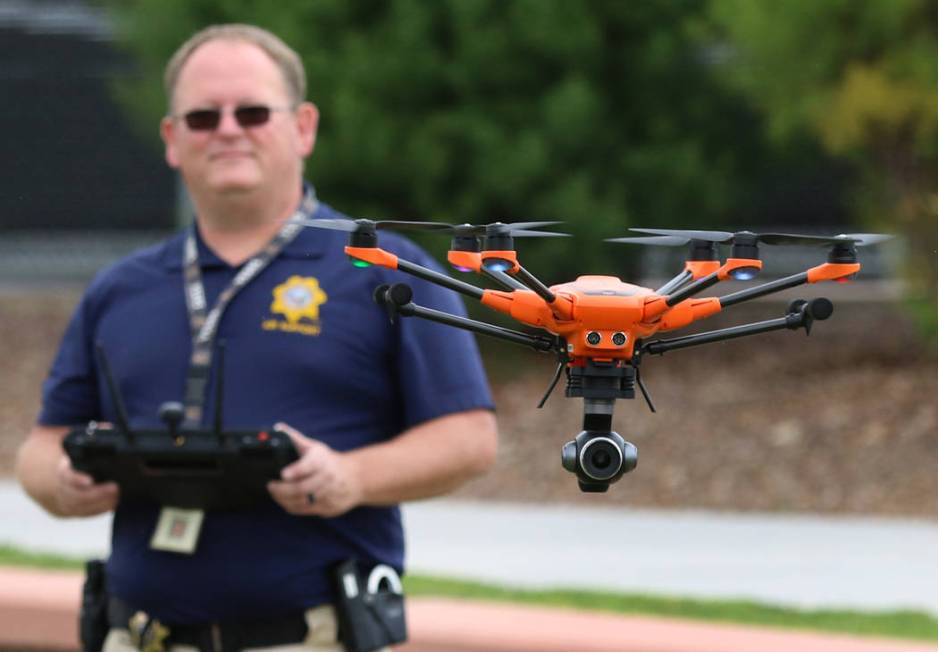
point(804, 561)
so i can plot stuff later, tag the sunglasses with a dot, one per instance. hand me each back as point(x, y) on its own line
point(246, 116)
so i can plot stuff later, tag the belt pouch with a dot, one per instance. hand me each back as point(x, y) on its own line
point(93, 622)
point(368, 619)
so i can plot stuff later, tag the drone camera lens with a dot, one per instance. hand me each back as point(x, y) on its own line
point(619, 338)
point(601, 459)
point(593, 338)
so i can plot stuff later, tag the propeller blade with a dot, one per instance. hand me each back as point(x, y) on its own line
point(496, 228)
point(867, 239)
point(523, 233)
point(661, 240)
point(527, 225)
point(334, 225)
point(414, 226)
point(710, 236)
point(797, 239)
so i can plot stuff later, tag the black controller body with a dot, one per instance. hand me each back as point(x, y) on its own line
point(197, 469)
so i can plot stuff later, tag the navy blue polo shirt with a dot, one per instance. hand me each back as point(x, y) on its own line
point(306, 345)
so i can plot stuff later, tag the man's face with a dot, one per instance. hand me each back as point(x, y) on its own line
point(231, 158)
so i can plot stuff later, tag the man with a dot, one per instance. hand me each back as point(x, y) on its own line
point(379, 413)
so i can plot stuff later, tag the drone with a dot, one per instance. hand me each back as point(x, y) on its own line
point(600, 327)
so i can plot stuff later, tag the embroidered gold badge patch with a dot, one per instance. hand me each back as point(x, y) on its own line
point(298, 300)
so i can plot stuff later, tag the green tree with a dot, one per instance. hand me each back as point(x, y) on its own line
point(862, 77)
point(599, 113)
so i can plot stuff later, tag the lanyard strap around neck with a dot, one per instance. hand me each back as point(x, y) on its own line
point(203, 322)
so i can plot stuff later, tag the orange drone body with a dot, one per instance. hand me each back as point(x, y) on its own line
point(600, 317)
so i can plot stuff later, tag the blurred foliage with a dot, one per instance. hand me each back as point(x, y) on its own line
point(600, 113)
point(862, 78)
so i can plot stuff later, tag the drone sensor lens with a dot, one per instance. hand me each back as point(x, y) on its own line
point(497, 264)
point(619, 338)
point(745, 273)
point(593, 338)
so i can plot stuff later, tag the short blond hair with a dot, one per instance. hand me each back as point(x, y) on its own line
point(287, 60)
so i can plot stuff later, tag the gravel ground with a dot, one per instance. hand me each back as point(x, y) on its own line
point(840, 422)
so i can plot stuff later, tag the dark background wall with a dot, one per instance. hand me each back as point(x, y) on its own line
point(70, 160)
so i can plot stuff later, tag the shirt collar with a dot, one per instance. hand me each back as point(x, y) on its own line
point(309, 243)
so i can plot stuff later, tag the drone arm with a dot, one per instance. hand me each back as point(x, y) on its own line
point(471, 261)
point(693, 270)
point(531, 282)
point(676, 282)
point(440, 279)
point(720, 274)
point(764, 289)
point(825, 272)
point(690, 290)
point(503, 279)
point(382, 258)
point(802, 314)
point(507, 260)
point(399, 297)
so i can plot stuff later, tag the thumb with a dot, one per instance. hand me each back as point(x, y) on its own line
point(301, 442)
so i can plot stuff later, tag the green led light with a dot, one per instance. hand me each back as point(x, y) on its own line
point(360, 263)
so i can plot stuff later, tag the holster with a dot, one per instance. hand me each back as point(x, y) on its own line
point(370, 612)
point(93, 625)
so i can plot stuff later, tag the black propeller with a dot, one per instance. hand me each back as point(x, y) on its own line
point(359, 225)
point(513, 229)
point(676, 237)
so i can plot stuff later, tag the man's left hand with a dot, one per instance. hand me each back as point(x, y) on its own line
point(320, 483)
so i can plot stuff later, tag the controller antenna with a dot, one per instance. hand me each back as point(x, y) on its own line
point(123, 424)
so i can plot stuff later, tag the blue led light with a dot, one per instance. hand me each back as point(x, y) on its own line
point(745, 273)
point(497, 264)
point(460, 268)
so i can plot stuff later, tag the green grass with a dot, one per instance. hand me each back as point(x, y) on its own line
point(10, 556)
point(895, 624)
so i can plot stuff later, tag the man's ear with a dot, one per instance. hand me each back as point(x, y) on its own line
point(168, 133)
point(307, 122)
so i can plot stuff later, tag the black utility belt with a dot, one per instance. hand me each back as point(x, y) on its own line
point(150, 634)
point(369, 611)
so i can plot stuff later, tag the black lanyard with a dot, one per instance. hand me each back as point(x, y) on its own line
point(203, 323)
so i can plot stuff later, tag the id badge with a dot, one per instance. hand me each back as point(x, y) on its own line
point(177, 530)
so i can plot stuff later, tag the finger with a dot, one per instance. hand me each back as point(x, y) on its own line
point(106, 494)
point(106, 490)
point(311, 463)
point(295, 498)
point(319, 484)
point(287, 493)
point(294, 492)
point(69, 476)
point(300, 441)
point(96, 500)
point(78, 480)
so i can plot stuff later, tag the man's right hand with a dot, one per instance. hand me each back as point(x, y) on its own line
point(78, 495)
point(47, 475)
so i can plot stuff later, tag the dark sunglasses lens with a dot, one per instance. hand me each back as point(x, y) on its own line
point(203, 119)
point(252, 116)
